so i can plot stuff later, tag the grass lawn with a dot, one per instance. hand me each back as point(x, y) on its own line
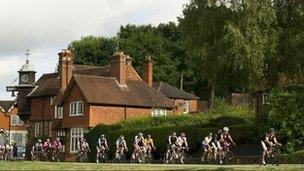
point(25, 165)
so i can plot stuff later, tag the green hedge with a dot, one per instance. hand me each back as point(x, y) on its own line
point(243, 134)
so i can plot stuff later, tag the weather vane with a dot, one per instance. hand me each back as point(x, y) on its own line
point(27, 53)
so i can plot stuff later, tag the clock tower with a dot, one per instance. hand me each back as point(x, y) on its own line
point(25, 86)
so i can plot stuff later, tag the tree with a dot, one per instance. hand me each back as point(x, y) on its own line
point(93, 50)
point(146, 40)
point(203, 25)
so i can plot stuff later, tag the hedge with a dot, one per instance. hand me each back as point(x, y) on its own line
point(242, 134)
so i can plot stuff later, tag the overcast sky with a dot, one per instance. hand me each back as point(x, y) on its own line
point(47, 26)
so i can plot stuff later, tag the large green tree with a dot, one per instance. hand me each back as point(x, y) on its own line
point(93, 50)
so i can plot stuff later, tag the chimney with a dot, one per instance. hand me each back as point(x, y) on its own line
point(148, 71)
point(129, 60)
point(65, 68)
point(118, 67)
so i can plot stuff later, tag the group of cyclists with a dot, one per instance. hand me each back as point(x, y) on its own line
point(6, 151)
point(48, 151)
point(215, 146)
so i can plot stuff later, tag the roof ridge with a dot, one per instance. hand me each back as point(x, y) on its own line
point(93, 76)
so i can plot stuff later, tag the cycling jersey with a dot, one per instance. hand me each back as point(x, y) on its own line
point(101, 142)
point(56, 144)
point(172, 139)
point(46, 146)
point(182, 141)
point(121, 144)
point(38, 146)
point(148, 141)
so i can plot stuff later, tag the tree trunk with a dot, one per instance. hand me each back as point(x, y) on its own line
point(211, 96)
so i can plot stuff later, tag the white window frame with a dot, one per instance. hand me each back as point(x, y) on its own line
point(58, 112)
point(18, 120)
point(76, 133)
point(76, 108)
point(52, 99)
point(186, 106)
point(37, 127)
point(155, 112)
point(264, 98)
point(61, 133)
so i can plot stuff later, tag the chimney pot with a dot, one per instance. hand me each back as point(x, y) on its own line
point(118, 67)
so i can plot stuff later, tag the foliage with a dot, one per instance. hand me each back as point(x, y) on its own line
point(286, 108)
point(242, 134)
point(93, 50)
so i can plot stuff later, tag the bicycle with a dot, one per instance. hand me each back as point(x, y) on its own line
point(56, 154)
point(82, 156)
point(102, 156)
point(228, 155)
point(140, 156)
point(209, 156)
point(272, 156)
point(149, 154)
point(120, 156)
point(172, 156)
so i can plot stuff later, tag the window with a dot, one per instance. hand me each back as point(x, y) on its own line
point(15, 120)
point(17, 138)
point(264, 98)
point(52, 100)
point(76, 108)
point(76, 133)
point(50, 129)
point(186, 107)
point(58, 112)
point(158, 112)
point(61, 133)
point(37, 131)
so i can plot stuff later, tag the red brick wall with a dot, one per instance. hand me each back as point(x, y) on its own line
point(75, 121)
point(4, 120)
point(41, 108)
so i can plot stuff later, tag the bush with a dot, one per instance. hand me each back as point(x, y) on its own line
point(242, 134)
point(286, 108)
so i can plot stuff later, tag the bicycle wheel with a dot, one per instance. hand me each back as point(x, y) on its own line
point(229, 157)
point(103, 158)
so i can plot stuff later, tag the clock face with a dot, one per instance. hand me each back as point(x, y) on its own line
point(25, 78)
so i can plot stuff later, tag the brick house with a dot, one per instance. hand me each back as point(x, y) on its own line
point(184, 102)
point(77, 98)
point(12, 129)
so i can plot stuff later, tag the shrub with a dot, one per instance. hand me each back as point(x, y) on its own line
point(242, 134)
point(286, 108)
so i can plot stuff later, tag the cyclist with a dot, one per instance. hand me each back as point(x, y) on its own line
point(101, 146)
point(2, 151)
point(206, 145)
point(228, 141)
point(47, 147)
point(121, 146)
point(149, 144)
point(56, 146)
point(37, 150)
point(268, 142)
point(8, 151)
point(171, 142)
point(82, 148)
point(219, 141)
point(138, 143)
point(182, 145)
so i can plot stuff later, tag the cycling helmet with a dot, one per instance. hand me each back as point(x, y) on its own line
point(121, 137)
point(149, 136)
point(219, 131)
point(102, 136)
point(210, 134)
point(174, 133)
point(272, 130)
point(40, 140)
point(183, 134)
point(226, 129)
point(58, 138)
